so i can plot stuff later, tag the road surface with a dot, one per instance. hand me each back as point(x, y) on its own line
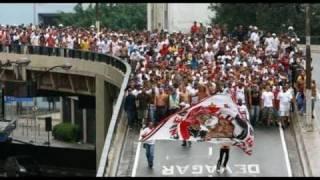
point(269, 158)
point(316, 76)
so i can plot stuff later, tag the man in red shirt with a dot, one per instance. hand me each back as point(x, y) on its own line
point(50, 44)
point(195, 28)
point(24, 42)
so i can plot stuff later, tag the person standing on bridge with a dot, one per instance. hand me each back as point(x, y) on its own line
point(130, 108)
point(149, 144)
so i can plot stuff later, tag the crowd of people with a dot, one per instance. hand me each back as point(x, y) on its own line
point(263, 71)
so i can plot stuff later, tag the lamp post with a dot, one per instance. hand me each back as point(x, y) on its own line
point(35, 79)
point(309, 120)
point(97, 18)
point(6, 64)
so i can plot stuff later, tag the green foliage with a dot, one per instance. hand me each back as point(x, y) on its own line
point(116, 16)
point(66, 132)
point(275, 17)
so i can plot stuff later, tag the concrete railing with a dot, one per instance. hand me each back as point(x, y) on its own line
point(117, 124)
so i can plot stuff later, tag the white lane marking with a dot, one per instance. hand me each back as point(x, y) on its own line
point(210, 151)
point(286, 155)
point(229, 169)
point(135, 165)
point(167, 157)
point(316, 120)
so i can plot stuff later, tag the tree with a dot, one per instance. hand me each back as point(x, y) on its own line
point(275, 17)
point(116, 16)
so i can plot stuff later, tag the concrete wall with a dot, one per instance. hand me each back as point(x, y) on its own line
point(105, 93)
point(156, 15)
point(178, 16)
point(182, 15)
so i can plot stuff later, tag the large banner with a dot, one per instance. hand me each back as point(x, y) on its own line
point(216, 119)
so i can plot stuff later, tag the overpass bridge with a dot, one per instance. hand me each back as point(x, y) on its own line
point(97, 78)
point(105, 78)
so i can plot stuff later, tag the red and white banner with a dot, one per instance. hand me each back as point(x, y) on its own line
point(216, 119)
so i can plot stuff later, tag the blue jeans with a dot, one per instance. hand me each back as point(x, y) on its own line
point(301, 103)
point(152, 112)
point(160, 113)
point(149, 153)
point(132, 114)
point(254, 113)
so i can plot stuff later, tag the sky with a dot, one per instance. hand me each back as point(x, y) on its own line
point(22, 13)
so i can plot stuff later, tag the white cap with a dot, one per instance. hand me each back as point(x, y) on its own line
point(92, 26)
point(290, 27)
point(298, 39)
point(273, 34)
point(255, 28)
point(292, 40)
point(60, 25)
point(250, 27)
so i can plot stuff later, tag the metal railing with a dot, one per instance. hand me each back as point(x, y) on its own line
point(97, 57)
point(315, 40)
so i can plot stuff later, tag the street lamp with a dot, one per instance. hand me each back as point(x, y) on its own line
point(6, 64)
point(97, 18)
point(309, 120)
point(66, 67)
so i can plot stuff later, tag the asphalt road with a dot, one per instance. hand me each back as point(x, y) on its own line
point(316, 76)
point(269, 158)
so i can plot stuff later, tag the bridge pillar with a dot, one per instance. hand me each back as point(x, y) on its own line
point(61, 109)
point(84, 125)
point(72, 111)
point(103, 114)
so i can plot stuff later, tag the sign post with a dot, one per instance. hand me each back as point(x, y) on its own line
point(48, 127)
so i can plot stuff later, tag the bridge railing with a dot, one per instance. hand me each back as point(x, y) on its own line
point(116, 62)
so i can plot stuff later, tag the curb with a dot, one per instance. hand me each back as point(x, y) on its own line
point(314, 48)
point(115, 152)
point(300, 144)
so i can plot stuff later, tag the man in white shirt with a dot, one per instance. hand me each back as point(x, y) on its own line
point(70, 45)
point(208, 55)
point(35, 41)
point(101, 45)
point(285, 98)
point(268, 42)
point(240, 93)
point(267, 102)
point(255, 37)
point(243, 110)
point(149, 144)
point(275, 44)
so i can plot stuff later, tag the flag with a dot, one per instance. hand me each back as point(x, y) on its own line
point(216, 119)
